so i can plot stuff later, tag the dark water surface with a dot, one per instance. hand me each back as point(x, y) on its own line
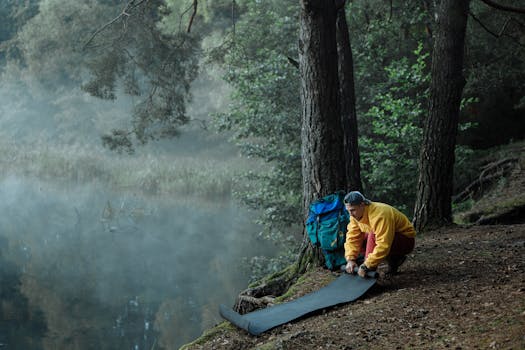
point(82, 267)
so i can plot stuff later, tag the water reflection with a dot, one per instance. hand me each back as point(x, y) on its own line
point(84, 268)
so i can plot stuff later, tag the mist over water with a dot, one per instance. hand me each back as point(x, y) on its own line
point(92, 268)
point(100, 250)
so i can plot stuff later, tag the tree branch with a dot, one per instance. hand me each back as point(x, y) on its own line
point(195, 2)
point(487, 28)
point(497, 170)
point(129, 6)
point(182, 15)
point(233, 17)
point(293, 62)
point(502, 30)
point(503, 7)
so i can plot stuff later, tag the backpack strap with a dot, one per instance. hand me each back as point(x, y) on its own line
point(317, 230)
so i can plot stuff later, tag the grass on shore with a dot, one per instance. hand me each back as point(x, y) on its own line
point(152, 174)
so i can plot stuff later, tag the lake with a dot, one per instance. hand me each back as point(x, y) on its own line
point(86, 267)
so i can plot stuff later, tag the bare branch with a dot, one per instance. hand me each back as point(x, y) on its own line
point(192, 15)
point(233, 17)
point(182, 15)
point(496, 170)
point(203, 124)
point(502, 30)
point(124, 13)
point(504, 26)
point(293, 62)
point(485, 27)
point(503, 7)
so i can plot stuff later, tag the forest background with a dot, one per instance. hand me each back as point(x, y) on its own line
point(215, 69)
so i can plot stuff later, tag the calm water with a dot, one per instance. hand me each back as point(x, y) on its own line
point(82, 267)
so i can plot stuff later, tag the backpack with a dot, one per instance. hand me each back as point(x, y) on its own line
point(326, 228)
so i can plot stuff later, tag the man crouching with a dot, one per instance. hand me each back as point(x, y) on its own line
point(378, 229)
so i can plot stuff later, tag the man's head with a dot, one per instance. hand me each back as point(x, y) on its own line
point(355, 203)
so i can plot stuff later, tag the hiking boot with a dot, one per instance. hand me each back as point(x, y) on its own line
point(394, 262)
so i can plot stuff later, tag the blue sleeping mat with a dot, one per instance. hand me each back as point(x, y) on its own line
point(344, 289)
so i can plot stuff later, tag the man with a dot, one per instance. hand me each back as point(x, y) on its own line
point(381, 230)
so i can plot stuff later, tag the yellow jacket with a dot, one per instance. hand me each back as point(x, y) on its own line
point(384, 221)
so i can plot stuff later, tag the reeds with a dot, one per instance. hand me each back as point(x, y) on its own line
point(151, 174)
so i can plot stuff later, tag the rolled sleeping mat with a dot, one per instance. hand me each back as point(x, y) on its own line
point(344, 289)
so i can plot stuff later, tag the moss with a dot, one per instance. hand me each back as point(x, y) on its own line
point(287, 272)
point(502, 205)
point(293, 289)
point(210, 334)
point(492, 211)
point(502, 200)
point(299, 285)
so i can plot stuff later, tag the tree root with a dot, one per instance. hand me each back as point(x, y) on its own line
point(489, 173)
point(263, 294)
point(268, 289)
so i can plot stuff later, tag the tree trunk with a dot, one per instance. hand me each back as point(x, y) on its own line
point(348, 110)
point(323, 159)
point(433, 204)
point(322, 135)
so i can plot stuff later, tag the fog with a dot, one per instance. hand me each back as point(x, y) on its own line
point(85, 252)
point(90, 262)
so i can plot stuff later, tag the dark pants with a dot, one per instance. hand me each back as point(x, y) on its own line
point(401, 246)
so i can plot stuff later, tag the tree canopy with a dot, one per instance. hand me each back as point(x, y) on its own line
point(152, 51)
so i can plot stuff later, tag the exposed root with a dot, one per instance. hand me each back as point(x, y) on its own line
point(489, 173)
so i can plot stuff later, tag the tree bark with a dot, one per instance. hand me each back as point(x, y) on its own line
point(433, 203)
point(323, 159)
point(322, 135)
point(348, 109)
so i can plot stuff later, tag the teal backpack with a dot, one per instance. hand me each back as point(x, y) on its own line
point(326, 228)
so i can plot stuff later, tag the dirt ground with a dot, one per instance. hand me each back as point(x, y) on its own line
point(462, 288)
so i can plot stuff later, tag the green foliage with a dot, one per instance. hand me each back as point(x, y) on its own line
point(383, 32)
point(110, 53)
point(50, 42)
point(390, 44)
point(495, 72)
point(392, 101)
point(389, 154)
point(13, 14)
point(149, 55)
point(264, 113)
point(155, 66)
point(494, 62)
point(210, 15)
point(260, 267)
point(465, 166)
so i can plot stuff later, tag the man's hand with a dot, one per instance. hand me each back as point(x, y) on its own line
point(362, 270)
point(350, 265)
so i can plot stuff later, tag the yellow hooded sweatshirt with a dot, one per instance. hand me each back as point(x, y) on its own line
point(384, 221)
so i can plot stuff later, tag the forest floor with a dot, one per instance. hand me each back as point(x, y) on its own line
point(462, 288)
